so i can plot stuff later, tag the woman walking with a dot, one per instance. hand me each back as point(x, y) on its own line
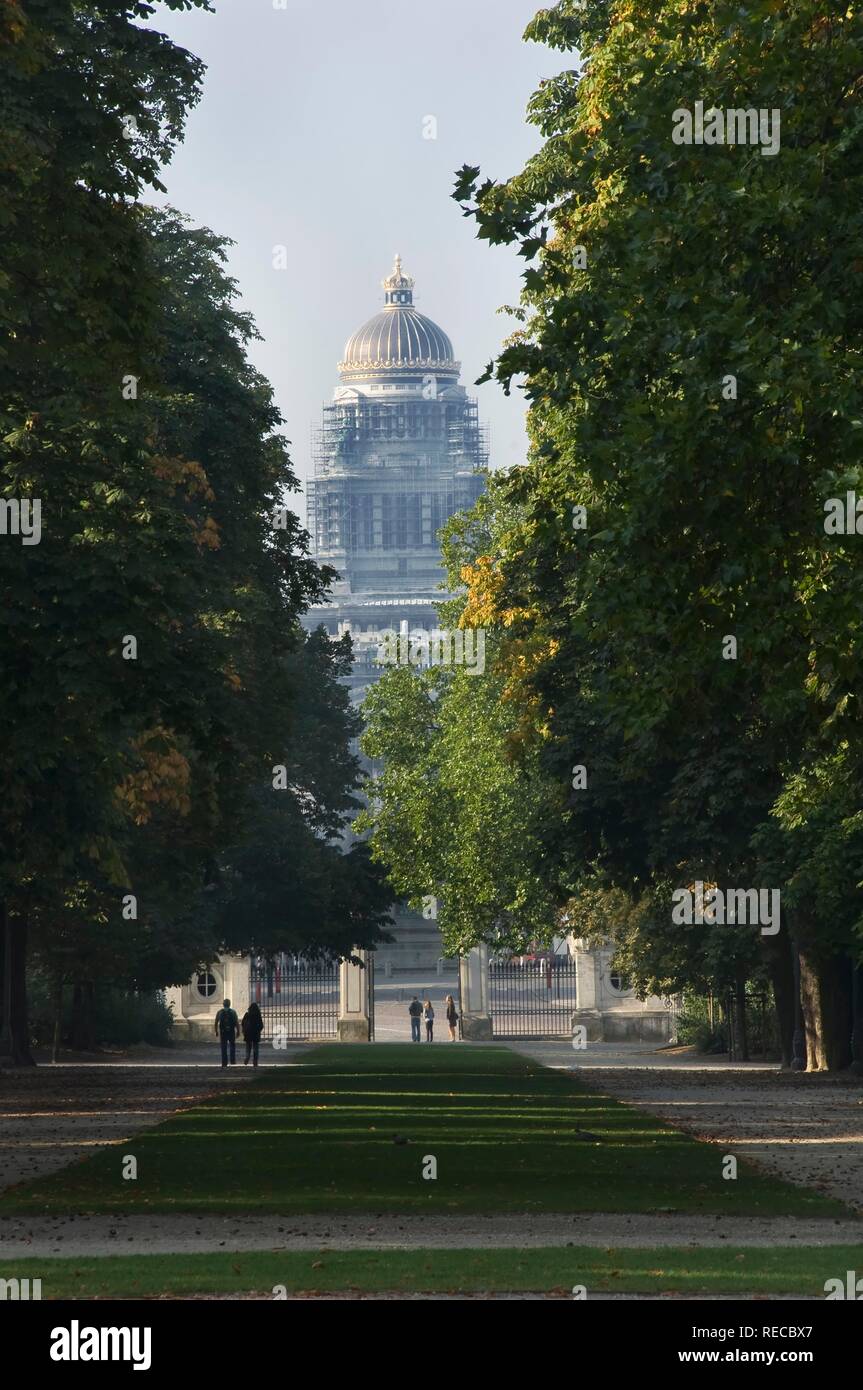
point(451, 1016)
point(252, 1026)
point(428, 1015)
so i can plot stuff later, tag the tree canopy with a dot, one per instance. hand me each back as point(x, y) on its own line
point(151, 630)
point(689, 348)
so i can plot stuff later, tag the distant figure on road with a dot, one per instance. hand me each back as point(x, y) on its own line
point(415, 1009)
point(428, 1015)
point(252, 1026)
point(451, 1016)
point(227, 1027)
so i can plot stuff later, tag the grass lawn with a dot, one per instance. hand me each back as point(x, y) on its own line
point(799, 1270)
point(319, 1137)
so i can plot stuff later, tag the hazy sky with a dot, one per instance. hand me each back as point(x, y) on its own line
point(310, 135)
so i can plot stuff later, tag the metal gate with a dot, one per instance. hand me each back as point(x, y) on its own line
point(533, 999)
point(298, 999)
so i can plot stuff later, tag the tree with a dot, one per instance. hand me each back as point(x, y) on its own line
point(77, 310)
point(690, 350)
point(455, 812)
point(141, 688)
point(288, 884)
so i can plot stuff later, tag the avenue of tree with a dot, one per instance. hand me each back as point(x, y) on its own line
point(690, 349)
point(154, 672)
point(673, 669)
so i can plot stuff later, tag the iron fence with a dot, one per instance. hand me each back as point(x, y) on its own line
point(298, 999)
point(533, 999)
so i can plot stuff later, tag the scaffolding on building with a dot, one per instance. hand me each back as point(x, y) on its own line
point(349, 428)
point(424, 449)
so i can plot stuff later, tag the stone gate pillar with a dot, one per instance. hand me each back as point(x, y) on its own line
point(473, 980)
point(354, 1001)
point(237, 982)
point(588, 1011)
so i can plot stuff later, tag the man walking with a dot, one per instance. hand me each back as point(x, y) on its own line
point(227, 1027)
point(416, 1012)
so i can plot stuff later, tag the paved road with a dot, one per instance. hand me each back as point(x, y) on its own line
point(392, 997)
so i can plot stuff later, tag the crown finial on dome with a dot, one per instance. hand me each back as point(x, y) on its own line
point(398, 286)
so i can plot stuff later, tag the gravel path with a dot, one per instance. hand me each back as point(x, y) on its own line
point(153, 1235)
point(51, 1116)
point(806, 1128)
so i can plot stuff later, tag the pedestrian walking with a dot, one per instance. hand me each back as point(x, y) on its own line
point(428, 1015)
point(415, 1009)
point(252, 1027)
point(451, 1016)
point(227, 1027)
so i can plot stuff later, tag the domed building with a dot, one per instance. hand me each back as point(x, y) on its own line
point(397, 339)
point(400, 450)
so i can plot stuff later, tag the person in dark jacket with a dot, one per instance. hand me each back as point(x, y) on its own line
point(252, 1026)
point(451, 1016)
point(415, 1009)
point(227, 1027)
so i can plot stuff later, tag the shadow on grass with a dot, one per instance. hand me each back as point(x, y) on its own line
point(353, 1129)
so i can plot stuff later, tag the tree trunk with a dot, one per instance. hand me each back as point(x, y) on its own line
point(16, 1031)
point(838, 976)
point(5, 986)
point(728, 1019)
point(741, 1048)
point(58, 1018)
point(825, 993)
point(857, 1019)
point(781, 968)
point(83, 1029)
point(798, 1055)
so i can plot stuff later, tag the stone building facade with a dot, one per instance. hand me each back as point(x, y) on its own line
point(609, 1009)
point(195, 1005)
